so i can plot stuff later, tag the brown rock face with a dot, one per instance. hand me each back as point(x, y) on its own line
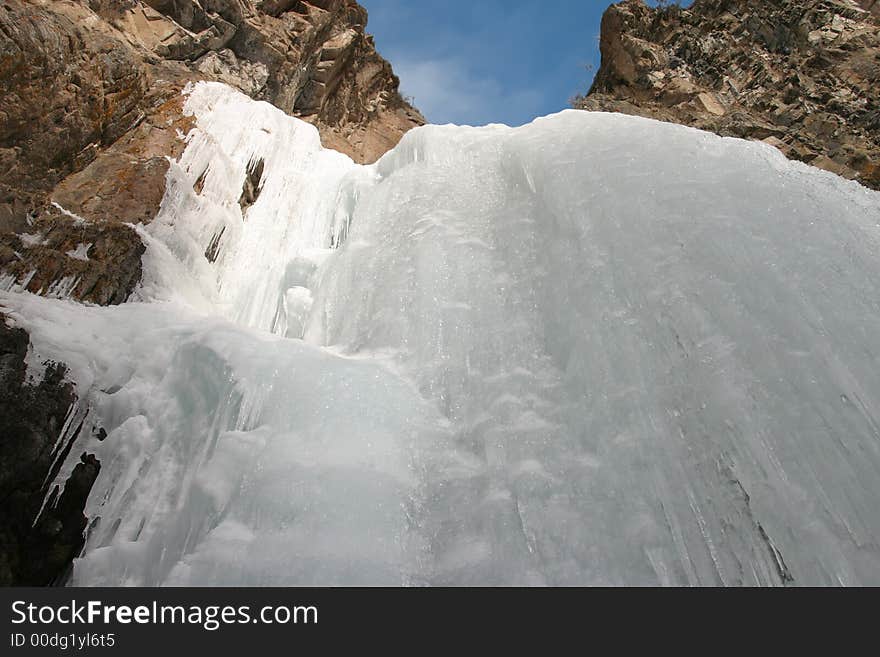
point(870, 5)
point(801, 75)
point(67, 90)
point(90, 110)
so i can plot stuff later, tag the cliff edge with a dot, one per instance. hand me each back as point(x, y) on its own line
point(801, 75)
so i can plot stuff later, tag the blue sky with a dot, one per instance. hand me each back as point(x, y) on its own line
point(488, 61)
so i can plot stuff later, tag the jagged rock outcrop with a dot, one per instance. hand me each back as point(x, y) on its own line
point(311, 59)
point(801, 75)
point(91, 108)
point(32, 415)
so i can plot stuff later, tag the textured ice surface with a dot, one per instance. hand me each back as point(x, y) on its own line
point(235, 455)
point(596, 349)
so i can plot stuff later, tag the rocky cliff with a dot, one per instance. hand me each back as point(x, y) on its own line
point(90, 108)
point(801, 75)
point(90, 111)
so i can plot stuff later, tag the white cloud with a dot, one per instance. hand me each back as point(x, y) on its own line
point(447, 90)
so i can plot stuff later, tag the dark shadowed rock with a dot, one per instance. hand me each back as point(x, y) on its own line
point(32, 416)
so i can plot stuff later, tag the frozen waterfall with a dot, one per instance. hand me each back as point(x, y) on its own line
point(596, 349)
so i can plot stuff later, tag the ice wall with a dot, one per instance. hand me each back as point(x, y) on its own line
point(220, 252)
point(596, 349)
point(658, 348)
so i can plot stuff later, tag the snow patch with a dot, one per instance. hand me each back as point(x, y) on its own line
point(77, 220)
point(30, 240)
point(81, 252)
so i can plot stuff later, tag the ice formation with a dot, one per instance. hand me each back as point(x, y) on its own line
point(596, 349)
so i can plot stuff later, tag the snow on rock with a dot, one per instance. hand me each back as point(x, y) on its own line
point(32, 239)
point(596, 349)
point(81, 252)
